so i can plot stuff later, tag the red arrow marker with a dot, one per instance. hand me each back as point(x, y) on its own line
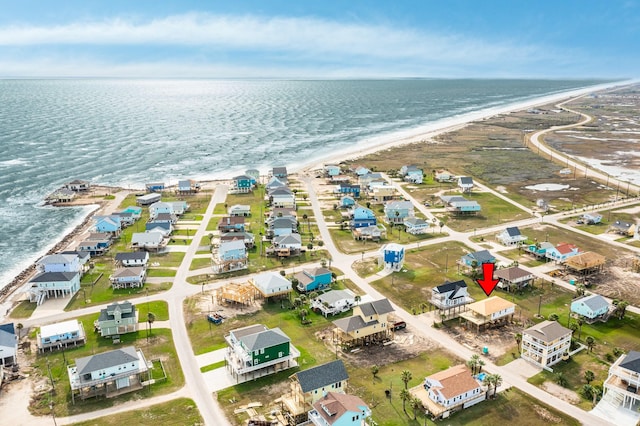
point(487, 283)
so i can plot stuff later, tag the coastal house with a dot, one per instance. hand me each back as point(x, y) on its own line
point(444, 176)
point(585, 264)
point(231, 224)
point(134, 210)
point(148, 199)
point(132, 277)
point(591, 307)
point(313, 279)
point(361, 171)
point(282, 198)
point(415, 225)
point(108, 374)
point(78, 185)
point(395, 212)
point(188, 186)
point(62, 195)
point(337, 409)
point(116, 319)
point(108, 224)
point(271, 284)
point(239, 210)
point(243, 184)
point(361, 217)
point(621, 387)
point(391, 256)
point(332, 170)
point(313, 384)
point(126, 219)
point(340, 179)
point(275, 183)
point(451, 297)
point(491, 312)
point(369, 323)
point(61, 335)
point(160, 207)
point(254, 174)
point(164, 228)
point(347, 202)
point(350, 189)
point(561, 252)
point(83, 259)
point(230, 256)
point(465, 183)
point(448, 391)
point(164, 218)
point(136, 258)
point(155, 187)
point(545, 343)
point(8, 345)
point(412, 174)
point(279, 226)
point(279, 172)
point(366, 180)
point(179, 207)
point(513, 278)
point(255, 351)
point(286, 245)
point(246, 237)
point(95, 246)
point(591, 218)
point(334, 302)
point(511, 236)
point(53, 284)
point(372, 233)
point(539, 250)
point(623, 228)
point(59, 263)
point(147, 240)
point(458, 205)
point(476, 259)
point(382, 193)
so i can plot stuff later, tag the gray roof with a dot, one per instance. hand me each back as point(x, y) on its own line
point(264, 339)
point(279, 171)
point(56, 259)
point(482, 256)
point(133, 271)
point(595, 302)
point(377, 307)
point(80, 254)
point(8, 336)
point(631, 361)
point(513, 231)
point(547, 331)
point(250, 329)
point(46, 277)
point(466, 180)
point(452, 199)
point(350, 324)
point(105, 360)
point(415, 221)
point(322, 375)
point(127, 308)
point(136, 255)
point(333, 296)
point(288, 239)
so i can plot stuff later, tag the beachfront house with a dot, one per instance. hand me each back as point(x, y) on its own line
point(561, 252)
point(61, 335)
point(361, 171)
point(368, 324)
point(255, 351)
point(279, 172)
point(78, 185)
point(132, 277)
point(391, 256)
point(155, 187)
point(108, 374)
point(108, 224)
point(136, 258)
point(313, 279)
point(148, 199)
point(465, 184)
point(8, 345)
point(361, 217)
point(275, 183)
point(231, 256)
point(62, 195)
point(448, 391)
point(282, 198)
point(511, 236)
point(239, 210)
point(116, 319)
point(451, 297)
point(83, 259)
point(395, 212)
point(620, 390)
point(95, 246)
point(415, 225)
point(591, 307)
point(332, 170)
point(334, 302)
point(59, 263)
point(53, 284)
point(545, 343)
point(243, 184)
point(254, 174)
point(271, 284)
point(513, 278)
point(337, 409)
point(492, 312)
point(188, 186)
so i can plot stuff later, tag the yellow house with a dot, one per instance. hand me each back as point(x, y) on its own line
point(368, 323)
point(493, 311)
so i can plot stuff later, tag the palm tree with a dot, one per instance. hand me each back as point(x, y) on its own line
point(404, 396)
point(313, 295)
point(473, 363)
point(306, 218)
point(151, 317)
point(561, 380)
point(589, 376)
point(488, 382)
point(423, 307)
point(303, 314)
point(591, 342)
point(497, 381)
point(480, 365)
point(415, 403)
point(580, 289)
point(357, 299)
point(553, 317)
point(621, 309)
point(580, 322)
point(19, 326)
point(406, 378)
point(374, 371)
point(518, 337)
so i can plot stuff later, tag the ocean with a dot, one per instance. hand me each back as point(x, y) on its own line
point(128, 132)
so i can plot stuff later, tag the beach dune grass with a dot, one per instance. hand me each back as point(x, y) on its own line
point(24, 309)
point(183, 410)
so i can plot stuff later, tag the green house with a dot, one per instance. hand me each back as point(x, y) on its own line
point(256, 350)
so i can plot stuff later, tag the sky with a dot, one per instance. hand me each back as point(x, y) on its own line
point(321, 39)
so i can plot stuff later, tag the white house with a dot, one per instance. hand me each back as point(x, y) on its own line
point(160, 207)
point(78, 185)
point(53, 284)
point(55, 336)
point(131, 277)
point(291, 241)
point(147, 240)
point(450, 295)
point(271, 284)
point(8, 345)
point(334, 302)
point(511, 236)
point(239, 210)
point(136, 258)
point(545, 343)
point(59, 263)
point(465, 184)
point(416, 225)
point(621, 387)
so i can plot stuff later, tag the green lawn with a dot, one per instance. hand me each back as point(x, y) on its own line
point(168, 259)
point(181, 411)
point(159, 308)
point(159, 272)
point(160, 345)
point(213, 366)
point(24, 309)
point(200, 262)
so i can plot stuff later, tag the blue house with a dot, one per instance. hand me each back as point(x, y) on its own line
point(480, 257)
point(346, 202)
point(591, 306)
point(313, 279)
point(232, 250)
point(134, 210)
point(391, 256)
point(155, 187)
point(539, 250)
point(109, 224)
point(243, 183)
point(165, 228)
point(397, 211)
point(363, 217)
point(346, 188)
point(332, 169)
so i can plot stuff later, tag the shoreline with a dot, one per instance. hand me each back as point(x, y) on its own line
point(421, 134)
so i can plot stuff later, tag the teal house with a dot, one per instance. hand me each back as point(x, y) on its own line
point(243, 183)
point(313, 279)
point(590, 307)
point(255, 351)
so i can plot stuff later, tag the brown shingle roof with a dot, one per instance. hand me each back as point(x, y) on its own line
point(490, 306)
point(455, 381)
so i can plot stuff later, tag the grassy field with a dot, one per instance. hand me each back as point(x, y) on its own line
point(24, 309)
point(181, 411)
point(345, 242)
point(158, 272)
point(160, 345)
point(213, 366)
point(200, 262)
point(168, 259)
point(159, 308)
